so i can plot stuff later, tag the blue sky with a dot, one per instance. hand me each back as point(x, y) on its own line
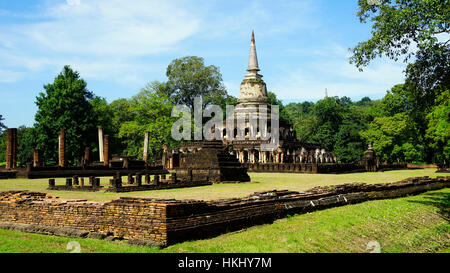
point(119, 46)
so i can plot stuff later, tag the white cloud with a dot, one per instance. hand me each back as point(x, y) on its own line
point(73, 2)
point(100, 36)
point(334, 72)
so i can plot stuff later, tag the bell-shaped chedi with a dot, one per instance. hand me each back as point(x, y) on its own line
point(253, 90)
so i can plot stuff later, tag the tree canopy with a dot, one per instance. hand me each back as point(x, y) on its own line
point(188, 77)
point(417, 31)
point(397, 24)
point(65, 104)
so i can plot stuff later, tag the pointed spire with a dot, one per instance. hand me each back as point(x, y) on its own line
point(326, 93)
point(253, 58)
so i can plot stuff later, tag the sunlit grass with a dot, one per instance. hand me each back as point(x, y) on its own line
point(411, 224)
point(259, 182)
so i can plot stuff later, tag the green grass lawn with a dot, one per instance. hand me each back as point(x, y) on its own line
point(412, 224)
point(259, 182)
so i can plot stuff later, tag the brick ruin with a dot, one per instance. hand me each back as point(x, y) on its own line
point(159, 182)
point(107, 166)
point(205, 160)
point(141, 181)
point(11, 149)
point(165, 222)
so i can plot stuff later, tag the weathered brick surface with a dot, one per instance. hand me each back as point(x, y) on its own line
point(170, 221)
point(314, 167)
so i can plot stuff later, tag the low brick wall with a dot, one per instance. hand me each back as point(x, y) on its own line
point(163, 185)
point(165, 222)
point(422, 166)
point(332, 168)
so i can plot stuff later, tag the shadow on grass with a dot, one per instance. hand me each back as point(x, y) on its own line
point(439, 200)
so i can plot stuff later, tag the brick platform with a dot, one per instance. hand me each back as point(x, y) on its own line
point(166, 222)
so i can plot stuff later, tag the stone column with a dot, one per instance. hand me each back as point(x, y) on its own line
point(11, 148)
point(145, 153)
point(100, 143)
point(36, 158)
point(62, 148)
point(139, 179)
point(106, 150)
point(51, 182)
point(156, 180)
point(76, 182)
point(68, 182)
point(86, 159)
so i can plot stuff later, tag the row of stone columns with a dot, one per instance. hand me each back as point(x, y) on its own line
point(11, 149)
point(137, 179)
point(93, 182)
point(254, 156)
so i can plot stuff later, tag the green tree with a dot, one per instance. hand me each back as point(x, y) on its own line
point(398, 23)
point(26, 143)
point(329, 114)
point(301, 117)
point(393, 138)
point(2, 125)
point(2, 146)
point(151, 112)
point(188, 77)
point(65, 104)
point(438, 131)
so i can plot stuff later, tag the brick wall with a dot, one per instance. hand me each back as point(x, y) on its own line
point(166, 222)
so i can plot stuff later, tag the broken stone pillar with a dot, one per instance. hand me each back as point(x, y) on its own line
point(97, 182)
point(156, 180)
point(100, 143)
point(11, 149)
point(130, 179)
point(117, 182)
point(62, 148)
point(68, 182)
point(147, 179)
point(173, 178)
point(86, 159)
point(91, 181)
point(145, 154)
point(76, 182)
point(51, 182)
point(36, 158)
point(118, 176)
point(139, 179)
point(190, 176)
point(106, 150)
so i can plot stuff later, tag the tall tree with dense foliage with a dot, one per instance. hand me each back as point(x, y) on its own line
point(188, 77)
point(65, 104)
